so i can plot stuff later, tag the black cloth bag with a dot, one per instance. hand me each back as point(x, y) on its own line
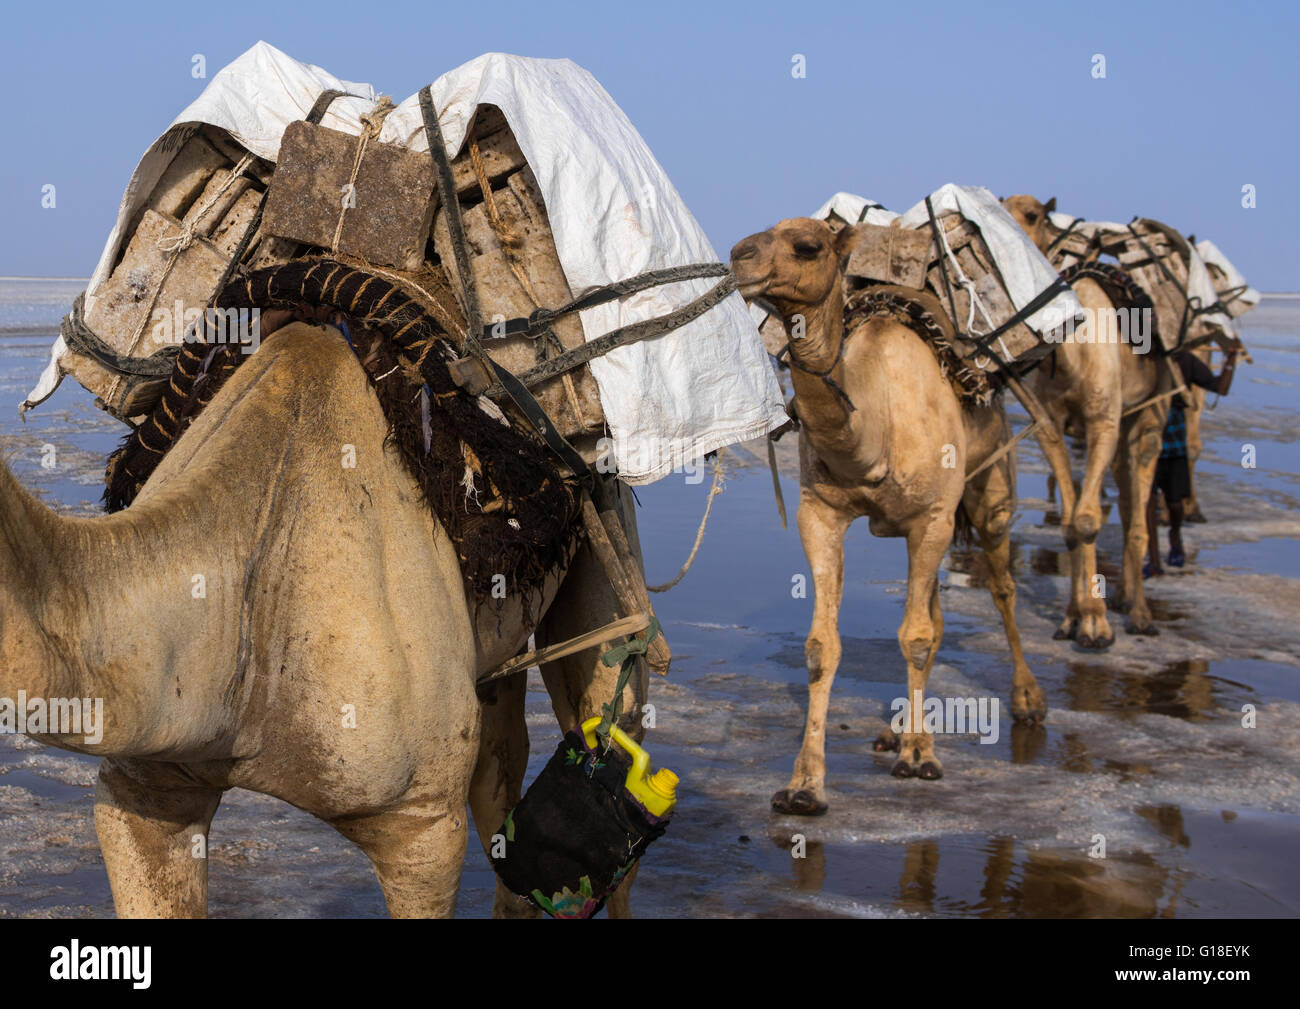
point(577, 832)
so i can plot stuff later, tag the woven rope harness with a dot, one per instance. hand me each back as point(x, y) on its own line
point(973, 385)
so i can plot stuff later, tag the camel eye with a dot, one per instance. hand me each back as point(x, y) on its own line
point(806, 249)
point(1032, 216)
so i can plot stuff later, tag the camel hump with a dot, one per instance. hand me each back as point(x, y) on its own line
point(317, 352)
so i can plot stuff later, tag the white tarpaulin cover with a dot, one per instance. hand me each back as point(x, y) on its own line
point(614, 215)
point(1249, 297)
point(1025, 271)
point(853, 209)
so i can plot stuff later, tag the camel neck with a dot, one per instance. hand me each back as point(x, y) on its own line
point(816, 357)
point(95, 610)
point(30, 557)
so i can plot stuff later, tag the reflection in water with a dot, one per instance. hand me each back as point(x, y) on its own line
point(1027, 742)
point(809, 869)
point(1181, 690)
point(1014, 881)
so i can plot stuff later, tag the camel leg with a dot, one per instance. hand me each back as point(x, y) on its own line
point(1102, 428)
point(1052, 443)
point(821, 529)
point(148, 837)
point(417, 849)
point(991, 502)
point(499, 777)
point(580, 684)
point(918, 639)
point(1135, 465)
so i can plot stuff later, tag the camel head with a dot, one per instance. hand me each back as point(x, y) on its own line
point(1032, 216)
point(793, 266)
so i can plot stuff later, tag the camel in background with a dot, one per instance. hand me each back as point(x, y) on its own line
point(1096, 385)
point(898, 455)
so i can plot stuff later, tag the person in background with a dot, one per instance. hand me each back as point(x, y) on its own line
point(1172, 473)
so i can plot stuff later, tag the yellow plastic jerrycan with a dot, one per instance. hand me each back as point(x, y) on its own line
point(658, 791)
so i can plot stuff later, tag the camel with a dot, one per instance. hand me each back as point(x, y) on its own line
point(900, 457)
point(266, 617)
point(1096, 385)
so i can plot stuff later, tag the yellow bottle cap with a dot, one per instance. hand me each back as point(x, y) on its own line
point(663, 783)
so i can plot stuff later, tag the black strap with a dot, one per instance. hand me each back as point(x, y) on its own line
point(1044, 297)
point(867, 208)
point(80, 338)
point(939, 244)
point(513, 388)
point(633, 333)
point(1189, 312)
point(1059, 238)
point(541, 319)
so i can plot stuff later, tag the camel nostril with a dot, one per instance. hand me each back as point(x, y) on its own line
point(744, 250)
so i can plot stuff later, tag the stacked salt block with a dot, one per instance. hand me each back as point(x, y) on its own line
point(910, 257)
point(375, 206)
point(181, 240)
point(1157, 259)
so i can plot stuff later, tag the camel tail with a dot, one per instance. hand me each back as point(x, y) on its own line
point(963, 530)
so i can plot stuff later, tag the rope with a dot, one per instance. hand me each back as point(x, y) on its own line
point(964, 281)
point(625, 656)
point(371, 124)
point(714, 491)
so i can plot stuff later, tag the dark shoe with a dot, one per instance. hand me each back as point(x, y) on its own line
point(1177, 558)
point(1150, 571)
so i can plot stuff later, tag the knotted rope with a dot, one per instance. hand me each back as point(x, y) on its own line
point(371, 123)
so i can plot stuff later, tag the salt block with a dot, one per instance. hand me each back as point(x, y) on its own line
point(386, 213)
point(218, 196)
point(142, 284)
point(227, 235)
point(186, 176)
point(890, 255)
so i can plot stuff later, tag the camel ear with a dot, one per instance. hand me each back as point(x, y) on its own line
point(845, 239)
point(1049, 206)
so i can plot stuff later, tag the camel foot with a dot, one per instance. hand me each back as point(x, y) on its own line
point(886, 742)
point(1029, 705)
point(925, 768)
point(798, 802)
point(1066, 631)
point(1146, 628)
point(1095, 644)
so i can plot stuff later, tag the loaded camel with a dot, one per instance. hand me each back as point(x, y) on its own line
point(899, 456)
point(1099, 384)
point(330, 660)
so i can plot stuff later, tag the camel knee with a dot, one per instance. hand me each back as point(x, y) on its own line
point(1086, 522)
point(821, 654)
point(917, 643)
point(996, 527)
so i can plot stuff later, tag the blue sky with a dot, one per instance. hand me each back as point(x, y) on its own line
point(1198, 100)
